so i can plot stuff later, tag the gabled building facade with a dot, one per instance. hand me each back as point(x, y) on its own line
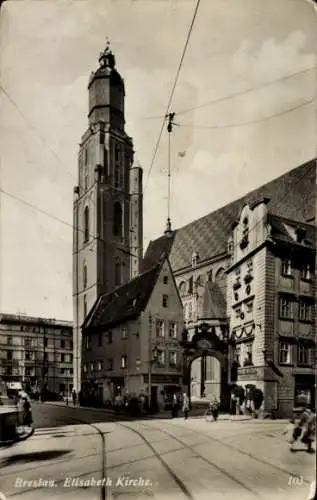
point(202, 252)
point(133, 334)
point(271, 306)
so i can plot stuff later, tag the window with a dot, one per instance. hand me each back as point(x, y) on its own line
point(62, 343)
point(305, 311)
point(286, 309)
point(304, 355)
point(165, 280)
point(161, 358)
point(29, 371)
point(117, 153)
point(109, 337)
point(160, 328)
point(306, 272)
point(85, 275)
point(99, 339)
point(124, 333)
point(85, 306)
point(209, 276)
point(190, 285)
point(172, 358)
point(117, 219)
point(190, 311)
point(285, 353)
point(172, 329)
point(117, 274)
point(62, 358)
point(87, 341)
point(237, 354)
point(99, 366)
point(45, 342)
point(86, 224)
point(91, 367)
point(28, 355)
point(110, 364)
point(27, 343)
point(9, 355)
point(286, 267)
point(117, 169)
point(248, 360)
point(124, 361)
point(86, 178)
point(165, 301)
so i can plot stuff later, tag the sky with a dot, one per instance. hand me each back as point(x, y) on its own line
point(244, 106)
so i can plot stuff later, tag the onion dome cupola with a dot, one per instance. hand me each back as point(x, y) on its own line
point(106, 92)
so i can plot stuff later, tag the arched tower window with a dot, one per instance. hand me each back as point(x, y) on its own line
point(86, 224)
point(117, 219)
point(117, 175)
point(86, 177)
point(85, 274)
point(117, 273)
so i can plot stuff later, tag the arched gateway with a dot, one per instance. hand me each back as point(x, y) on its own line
point(206, 342)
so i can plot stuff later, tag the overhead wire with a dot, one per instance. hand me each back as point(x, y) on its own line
point(250, 122)
point(172, 92)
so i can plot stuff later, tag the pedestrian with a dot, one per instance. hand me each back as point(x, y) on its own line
point(214, 405)
point(74, 396)
point(305, 428)
point(27, 412)
point(185, 405)
point(174, 406)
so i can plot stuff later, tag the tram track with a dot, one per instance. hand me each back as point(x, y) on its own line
point(233, 448)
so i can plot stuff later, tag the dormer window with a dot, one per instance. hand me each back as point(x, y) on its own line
point(195, 259)
point(306, 272)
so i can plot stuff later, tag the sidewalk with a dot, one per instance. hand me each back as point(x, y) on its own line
point(195, 412)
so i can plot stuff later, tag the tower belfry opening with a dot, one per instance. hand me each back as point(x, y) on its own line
point(107, 199)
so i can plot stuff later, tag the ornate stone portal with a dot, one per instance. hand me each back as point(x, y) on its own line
point(206, 342)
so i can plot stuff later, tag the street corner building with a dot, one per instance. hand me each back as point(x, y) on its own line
point(36, 354)
point(131, 338)
point(246, 276)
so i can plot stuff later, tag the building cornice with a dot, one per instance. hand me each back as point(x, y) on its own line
point(29, 320)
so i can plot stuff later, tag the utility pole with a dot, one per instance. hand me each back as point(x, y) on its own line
point(150, 362)
point(170, 117)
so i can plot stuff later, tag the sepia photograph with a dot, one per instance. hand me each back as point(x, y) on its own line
point(158, 218)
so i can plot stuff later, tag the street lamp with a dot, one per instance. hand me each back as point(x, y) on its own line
point(155, 352)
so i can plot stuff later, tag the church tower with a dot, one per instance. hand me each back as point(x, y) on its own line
point(102, 256)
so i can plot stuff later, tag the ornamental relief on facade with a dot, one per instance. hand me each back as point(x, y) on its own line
point(244, 332)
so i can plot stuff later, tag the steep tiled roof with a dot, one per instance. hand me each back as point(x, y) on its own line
point(285, 230)
point(291, 195)
point(123, 303)
point(157, 250)
point(213, 303)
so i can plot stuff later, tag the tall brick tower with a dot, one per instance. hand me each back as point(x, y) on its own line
point(102, 256)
